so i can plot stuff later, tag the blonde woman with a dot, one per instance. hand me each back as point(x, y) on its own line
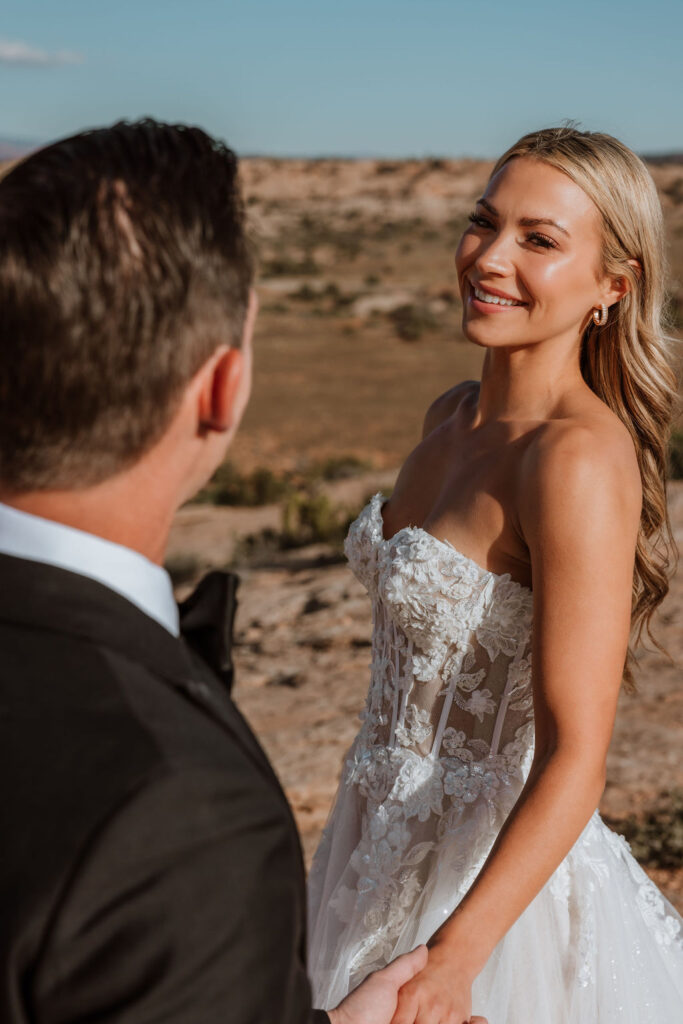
point(525, 545)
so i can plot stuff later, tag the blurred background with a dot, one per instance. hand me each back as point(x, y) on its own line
point(366, 130)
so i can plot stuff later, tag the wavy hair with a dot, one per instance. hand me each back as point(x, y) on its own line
point(629, 361)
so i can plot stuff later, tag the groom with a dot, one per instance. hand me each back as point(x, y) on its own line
point(150, 866)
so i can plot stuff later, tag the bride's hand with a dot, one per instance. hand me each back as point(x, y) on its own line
point(440, 994)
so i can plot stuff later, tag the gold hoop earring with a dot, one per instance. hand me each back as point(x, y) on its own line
point(600, 316)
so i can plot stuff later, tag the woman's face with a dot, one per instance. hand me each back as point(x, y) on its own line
point(534, 244)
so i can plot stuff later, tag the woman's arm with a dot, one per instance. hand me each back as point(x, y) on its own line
point(579, 510)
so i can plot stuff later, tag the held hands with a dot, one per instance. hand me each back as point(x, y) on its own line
point(374, 1001)
point(417, 984)
point(441, 993)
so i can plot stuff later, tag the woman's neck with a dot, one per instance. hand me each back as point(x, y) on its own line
point(529, 383)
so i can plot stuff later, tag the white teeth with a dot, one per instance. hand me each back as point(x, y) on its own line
point(494, 300)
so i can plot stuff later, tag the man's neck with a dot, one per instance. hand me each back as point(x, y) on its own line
point(118, 510)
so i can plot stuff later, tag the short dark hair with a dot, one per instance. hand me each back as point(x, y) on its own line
point(124, 263)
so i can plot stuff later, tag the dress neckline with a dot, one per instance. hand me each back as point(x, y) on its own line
point(378, 502)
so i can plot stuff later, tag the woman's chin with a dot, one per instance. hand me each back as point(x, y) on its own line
point(481, 334)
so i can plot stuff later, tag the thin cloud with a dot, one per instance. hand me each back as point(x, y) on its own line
point(12, 52)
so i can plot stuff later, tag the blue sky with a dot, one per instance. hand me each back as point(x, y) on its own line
point(352, 77)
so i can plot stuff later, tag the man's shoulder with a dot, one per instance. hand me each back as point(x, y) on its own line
point(99, 748)
point(124, 718)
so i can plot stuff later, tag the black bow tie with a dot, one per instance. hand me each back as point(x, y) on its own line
point(206, 621)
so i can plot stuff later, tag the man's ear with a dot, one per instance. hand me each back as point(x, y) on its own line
point(222, 376)
point(219, 390)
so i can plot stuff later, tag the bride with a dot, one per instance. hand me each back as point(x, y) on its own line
point(526, 541)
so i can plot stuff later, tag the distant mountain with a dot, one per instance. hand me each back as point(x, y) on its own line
point(12, 149)
point(663, 158)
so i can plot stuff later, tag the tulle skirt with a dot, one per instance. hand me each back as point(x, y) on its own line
point(599, 944)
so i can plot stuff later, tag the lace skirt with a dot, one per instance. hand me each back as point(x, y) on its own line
point(599, 944)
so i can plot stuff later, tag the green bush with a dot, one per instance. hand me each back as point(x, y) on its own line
point(339, 467)
point(313, 519)
point(264, 487)
point(305, 294)
point(230, 487)
point(285, 266)
point(676, 455)
point(410, 321)
point(675, 312)
point(656, 838)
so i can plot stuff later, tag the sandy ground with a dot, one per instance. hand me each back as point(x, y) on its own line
point(302, 659)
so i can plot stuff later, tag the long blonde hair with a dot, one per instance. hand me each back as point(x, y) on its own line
point(628, 363)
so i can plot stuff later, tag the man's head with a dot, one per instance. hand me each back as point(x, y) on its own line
point(124, 269)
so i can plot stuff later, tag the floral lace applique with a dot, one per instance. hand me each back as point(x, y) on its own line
point(445, 746)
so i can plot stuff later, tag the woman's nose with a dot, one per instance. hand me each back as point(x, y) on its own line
point(495, 255)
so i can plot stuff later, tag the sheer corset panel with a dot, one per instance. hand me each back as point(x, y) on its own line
point(451, 658)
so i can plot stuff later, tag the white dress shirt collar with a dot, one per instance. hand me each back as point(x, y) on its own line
point(121, 569)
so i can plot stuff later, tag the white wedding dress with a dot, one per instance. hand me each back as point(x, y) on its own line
point(444, 749)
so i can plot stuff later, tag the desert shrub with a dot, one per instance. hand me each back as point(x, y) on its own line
point(387, 231)
point(230, 487)
point(305, 294)
point(258, 547)
point(675, 312)
point(309, 518)
point(676, 455)
point(453, 230)
point(372, 279)
point(262, 486)
point(343, 301)
point(411, 320)
point(338, 467)
point(313, 232)
point(387, 167)
point(286, 266)
point(275, 307)
point(656, 837)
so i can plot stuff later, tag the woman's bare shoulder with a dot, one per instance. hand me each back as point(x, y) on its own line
point(593, 445)
point(446, 404)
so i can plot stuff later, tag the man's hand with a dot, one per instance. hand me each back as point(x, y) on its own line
point(376, 999)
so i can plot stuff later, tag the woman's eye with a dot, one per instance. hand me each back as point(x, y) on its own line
point(481, 222)
point(542, 240)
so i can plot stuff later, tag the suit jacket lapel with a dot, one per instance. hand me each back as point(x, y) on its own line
point(46, 597)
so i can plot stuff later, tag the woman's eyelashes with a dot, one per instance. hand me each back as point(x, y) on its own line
point(543, 240)
point(479, 220)
point(534, 237)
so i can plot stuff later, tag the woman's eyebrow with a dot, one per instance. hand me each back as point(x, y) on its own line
point(527, 222)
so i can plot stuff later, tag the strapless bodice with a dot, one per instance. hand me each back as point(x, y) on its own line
point(451, 658)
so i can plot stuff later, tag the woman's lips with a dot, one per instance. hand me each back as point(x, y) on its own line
point(493, 303)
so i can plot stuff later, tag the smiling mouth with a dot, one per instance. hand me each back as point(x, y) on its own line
point(494, 300)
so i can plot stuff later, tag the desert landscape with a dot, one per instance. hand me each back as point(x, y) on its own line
point(358, 332)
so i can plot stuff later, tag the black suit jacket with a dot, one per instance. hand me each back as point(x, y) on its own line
point(150, 869)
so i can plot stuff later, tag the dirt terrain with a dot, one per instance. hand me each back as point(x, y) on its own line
point(302, 655)
point(359, 330)
point(360, 316)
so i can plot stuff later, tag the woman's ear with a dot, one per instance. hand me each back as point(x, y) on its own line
point(617, 287)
